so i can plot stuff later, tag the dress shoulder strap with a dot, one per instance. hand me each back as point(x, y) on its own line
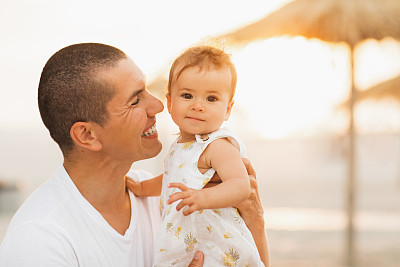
point(224, 132)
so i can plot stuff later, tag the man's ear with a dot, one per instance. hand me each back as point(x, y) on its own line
point(84, 135)
point(229, 110)
point(168, 96)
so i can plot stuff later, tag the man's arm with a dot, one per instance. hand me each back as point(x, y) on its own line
point(252, 212)
point(147, 188)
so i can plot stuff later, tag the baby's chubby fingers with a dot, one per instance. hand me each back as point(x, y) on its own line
point(187, 206)
point(182, 204)
point(180, 186)
point(188, 211)
point(176, 196)
point(179, 195)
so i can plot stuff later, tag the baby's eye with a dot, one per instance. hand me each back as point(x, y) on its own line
point(187, 96)
point(212, 98)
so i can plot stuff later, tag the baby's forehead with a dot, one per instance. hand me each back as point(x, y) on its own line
point(201, 69)
point(182, 83)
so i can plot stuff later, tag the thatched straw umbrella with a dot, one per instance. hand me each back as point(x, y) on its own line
point(389, 89)
point(386, 89)
point(337, 21)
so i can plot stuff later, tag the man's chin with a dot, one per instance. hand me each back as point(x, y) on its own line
point(153, 152)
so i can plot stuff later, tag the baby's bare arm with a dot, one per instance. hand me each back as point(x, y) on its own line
point(147, 188)
point(252, 213)
point(235, 187)
point(225, 158)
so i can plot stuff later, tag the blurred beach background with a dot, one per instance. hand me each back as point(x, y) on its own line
point(290, 110)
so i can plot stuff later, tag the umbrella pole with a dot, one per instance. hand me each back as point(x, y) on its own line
point(350, 202)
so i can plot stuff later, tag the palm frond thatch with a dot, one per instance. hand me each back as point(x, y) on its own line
point(349, 21)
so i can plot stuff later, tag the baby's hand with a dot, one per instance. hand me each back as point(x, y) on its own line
point(134, 186)
point(194, 199)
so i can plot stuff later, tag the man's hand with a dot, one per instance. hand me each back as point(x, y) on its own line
point(251, 209)
point(198, 260)
point(193, 199)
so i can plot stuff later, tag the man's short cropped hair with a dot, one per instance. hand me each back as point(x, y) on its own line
point(71, 89)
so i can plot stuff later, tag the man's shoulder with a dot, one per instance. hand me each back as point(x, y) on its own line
point(34, 226)
point(35, 243)
point(41, 204)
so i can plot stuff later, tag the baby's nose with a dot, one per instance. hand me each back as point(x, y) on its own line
point(198, 106)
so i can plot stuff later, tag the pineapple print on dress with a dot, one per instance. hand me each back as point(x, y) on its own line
point(228, 235)
point(219, 233)
point(188, 145)
point(230, 258)
point(217, 211)
point(238, 218)
point(177, 232)
point(190, 241)
point(206, 181)
point(169, 227)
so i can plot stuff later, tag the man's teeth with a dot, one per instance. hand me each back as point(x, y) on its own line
point(151, 131)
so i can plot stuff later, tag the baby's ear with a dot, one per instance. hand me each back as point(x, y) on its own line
point(168, 96)
point(229, 110)
point(84, 135)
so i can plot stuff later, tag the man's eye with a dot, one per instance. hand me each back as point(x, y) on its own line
point(212, 98)
point(135, 102)
point(187, 96)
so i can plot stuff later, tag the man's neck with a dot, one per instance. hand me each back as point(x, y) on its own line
point(102, 184)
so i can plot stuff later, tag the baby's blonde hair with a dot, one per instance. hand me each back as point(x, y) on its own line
point(203, 57)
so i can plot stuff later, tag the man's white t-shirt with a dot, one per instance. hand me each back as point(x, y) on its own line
point(57, 226)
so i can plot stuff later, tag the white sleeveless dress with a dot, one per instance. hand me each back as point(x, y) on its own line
point(220, 234)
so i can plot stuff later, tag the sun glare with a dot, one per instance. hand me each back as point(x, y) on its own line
point(376, 62)
point(287, 85)
point(292, 86)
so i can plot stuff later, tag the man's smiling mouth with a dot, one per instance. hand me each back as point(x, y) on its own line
point(151, 131)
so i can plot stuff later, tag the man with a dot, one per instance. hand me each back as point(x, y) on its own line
point(92, 99)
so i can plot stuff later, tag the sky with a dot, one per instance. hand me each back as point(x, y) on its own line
point(286, 86)
point(151, 32)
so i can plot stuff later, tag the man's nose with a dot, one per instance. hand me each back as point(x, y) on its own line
point(154, 106)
